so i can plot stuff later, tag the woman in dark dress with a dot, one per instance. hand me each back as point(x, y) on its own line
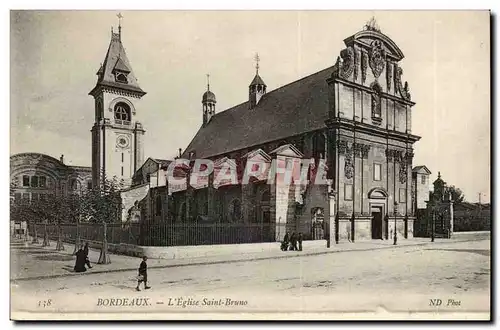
point(80, 261)
point(86, 251)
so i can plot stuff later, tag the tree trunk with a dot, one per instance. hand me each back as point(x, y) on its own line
point(60, 245)
point(35, 235)
point(104, 256)
point(46, 241)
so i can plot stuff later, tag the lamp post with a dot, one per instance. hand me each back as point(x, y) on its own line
point(395, 230)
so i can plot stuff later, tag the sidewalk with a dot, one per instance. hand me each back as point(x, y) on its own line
point(34, 262)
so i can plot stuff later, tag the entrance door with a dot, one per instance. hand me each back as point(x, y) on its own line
point(377, 223)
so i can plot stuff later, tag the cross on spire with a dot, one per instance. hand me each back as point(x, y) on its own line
point(120, 25)
point(119, 18)
point(208, 82)
point(257, 60)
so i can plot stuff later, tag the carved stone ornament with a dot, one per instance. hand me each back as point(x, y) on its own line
point(33, 159)
point(365, 149)
point(364, 65)
point(347, 63)
point(348, 167)
point(409, 157)
point(357, 62)
point(403, 91)
point(403, 172)
point(397, 155)
point(342, 147)
point(377, 58)
point(389, 153)
point(358, 147)
point(389, 75)
point(337, 67)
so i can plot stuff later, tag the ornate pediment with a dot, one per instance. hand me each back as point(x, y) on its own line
point(365, 39)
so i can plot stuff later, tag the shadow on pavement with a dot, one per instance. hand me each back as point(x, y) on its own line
point(37, 251)
point(54, 257)
point(480, 252)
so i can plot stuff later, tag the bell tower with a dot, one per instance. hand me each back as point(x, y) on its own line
point(208, 102)
point(257, 87)
point(117, 135)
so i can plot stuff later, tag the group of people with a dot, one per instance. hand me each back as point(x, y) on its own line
point(82, 259)
point(290, 242)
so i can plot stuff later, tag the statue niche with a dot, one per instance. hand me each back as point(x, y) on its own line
point(376, 104)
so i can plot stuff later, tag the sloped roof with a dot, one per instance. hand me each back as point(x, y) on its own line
point(421, 169)
point(257, 80)
point(117, 58)
point(301, 106)
point(121, 66)
point(163, 162)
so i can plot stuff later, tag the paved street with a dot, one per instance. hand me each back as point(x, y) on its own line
point(393, 278)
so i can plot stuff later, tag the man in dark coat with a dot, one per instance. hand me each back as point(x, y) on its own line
point(143, 274)
point(300, 241)
point(293, 242)
point(86, 251)
point(80, 261)
point(284, 244)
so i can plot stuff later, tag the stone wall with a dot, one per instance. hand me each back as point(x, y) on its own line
point(129, 196)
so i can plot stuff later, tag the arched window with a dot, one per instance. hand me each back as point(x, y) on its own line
point(235, 210)
point(74, 184)
point(122, 113)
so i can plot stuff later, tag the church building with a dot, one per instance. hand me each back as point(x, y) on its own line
point(355, 117)
point(352, 121)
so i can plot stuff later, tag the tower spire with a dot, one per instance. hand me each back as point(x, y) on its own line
point(257, 60)
point(208, 82)
point(119, 25)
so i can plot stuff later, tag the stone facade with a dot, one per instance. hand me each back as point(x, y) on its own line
point(365, 142)
point(35, 176)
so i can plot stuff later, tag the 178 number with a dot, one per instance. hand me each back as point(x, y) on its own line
point(44, 303)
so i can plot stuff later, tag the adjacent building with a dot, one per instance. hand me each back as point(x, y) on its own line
point(35, 176)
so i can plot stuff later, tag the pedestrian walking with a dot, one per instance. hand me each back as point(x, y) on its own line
point(86, 252)
point(143, 274)
point(293, 242)
point(80, 261)
point(284, 244)
point(300, 241)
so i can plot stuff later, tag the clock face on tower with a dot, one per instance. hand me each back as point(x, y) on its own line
point(122, 141)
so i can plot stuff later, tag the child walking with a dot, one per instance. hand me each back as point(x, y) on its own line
point(143, 274)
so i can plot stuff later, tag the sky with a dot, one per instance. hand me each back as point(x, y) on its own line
point(55, 56)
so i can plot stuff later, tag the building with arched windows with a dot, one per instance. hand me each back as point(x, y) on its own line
point(354, 117)
point(351, 120)
point(35, 176)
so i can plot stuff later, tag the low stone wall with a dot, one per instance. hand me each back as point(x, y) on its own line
point(197, 251)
